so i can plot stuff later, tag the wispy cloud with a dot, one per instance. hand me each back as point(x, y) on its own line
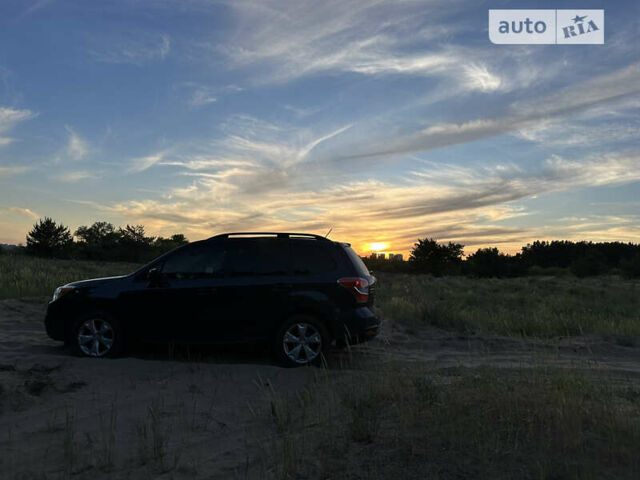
point(9, 171)
point(23, 211)
point(268, 183)
point(9, 117)
point(77, 148)
point(202, 96)
point(618, 86)
point(368, 38)
point(36, 5)
point(141, 164)
point(74, 176)
point(478, 77)
point(137, 49)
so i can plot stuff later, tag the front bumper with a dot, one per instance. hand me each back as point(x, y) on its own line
point(54, 323)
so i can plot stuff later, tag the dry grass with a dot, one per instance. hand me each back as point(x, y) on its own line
point(469, 423)
point(25, 276)
point(531, 306)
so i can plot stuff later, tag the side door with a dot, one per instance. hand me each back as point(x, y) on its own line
point(197, 303)
point(256, 287)
point(157, 298)
point(147, 307)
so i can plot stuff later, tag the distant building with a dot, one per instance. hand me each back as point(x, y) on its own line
point(386, 256)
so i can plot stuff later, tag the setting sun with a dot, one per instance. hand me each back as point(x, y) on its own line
point(378, 246)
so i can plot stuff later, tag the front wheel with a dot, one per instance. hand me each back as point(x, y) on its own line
point(301, 340)
point(96, 335)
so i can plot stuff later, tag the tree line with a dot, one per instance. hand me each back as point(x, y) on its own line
point(557, 257)
point(100, 241)
point(104, 241)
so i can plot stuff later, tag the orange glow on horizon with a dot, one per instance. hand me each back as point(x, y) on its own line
point(378, 246)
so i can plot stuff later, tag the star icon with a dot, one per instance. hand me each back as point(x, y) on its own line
point(577, 19)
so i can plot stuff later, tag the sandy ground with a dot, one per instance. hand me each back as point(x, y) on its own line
point(163, 413)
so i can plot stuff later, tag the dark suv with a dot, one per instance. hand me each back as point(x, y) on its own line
point(299, 292)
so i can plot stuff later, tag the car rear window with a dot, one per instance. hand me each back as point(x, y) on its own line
point(357, 262)
point(311, 256)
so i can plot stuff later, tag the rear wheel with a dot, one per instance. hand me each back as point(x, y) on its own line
point(96, 335)
point(302, 340)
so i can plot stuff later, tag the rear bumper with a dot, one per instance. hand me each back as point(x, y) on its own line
point(360, 325)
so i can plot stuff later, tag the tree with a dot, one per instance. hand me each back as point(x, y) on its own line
point(99, 241)
point(591, 264)
point(428, 256)
point(163, 245)
point(488, 262)
point(134, 245)
point(48, 239)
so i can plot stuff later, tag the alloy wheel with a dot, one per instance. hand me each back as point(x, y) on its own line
point(302, 343)
point(95, 337)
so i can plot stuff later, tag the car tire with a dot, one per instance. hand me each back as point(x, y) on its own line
point(97, 335)
point(301, 340)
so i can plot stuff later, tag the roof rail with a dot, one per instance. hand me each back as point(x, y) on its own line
point(277, 234)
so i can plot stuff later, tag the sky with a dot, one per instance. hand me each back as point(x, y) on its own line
point(385, 121)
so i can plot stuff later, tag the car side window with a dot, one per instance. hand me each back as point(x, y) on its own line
point(257, 257)
point(196, 261)
point(310, 256)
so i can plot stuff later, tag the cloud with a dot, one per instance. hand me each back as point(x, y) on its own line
point(619, 86)
point(77, 148)
point(74, 176)
point(137, 49)
point(263, 175)
point(202, 96)
point(35, 6)
point(478, 77)
point(293, 39)
point(582, 133)
point(141, 164)
point(449, 202)
point(249, 145)
point(13, 170)
point(313, 144)
point(23, 211)
point(9, 117)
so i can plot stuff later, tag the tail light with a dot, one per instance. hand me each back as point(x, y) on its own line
point(358, 286)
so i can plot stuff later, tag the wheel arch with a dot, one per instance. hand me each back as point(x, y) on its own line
point(86, 309)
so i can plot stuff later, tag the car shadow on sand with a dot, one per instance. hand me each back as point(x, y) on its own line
point(337, 358)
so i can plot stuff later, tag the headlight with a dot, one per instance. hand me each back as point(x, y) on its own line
point(61, 291)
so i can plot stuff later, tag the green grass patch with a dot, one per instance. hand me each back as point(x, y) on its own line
point(25, 276)
point(529, 306)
